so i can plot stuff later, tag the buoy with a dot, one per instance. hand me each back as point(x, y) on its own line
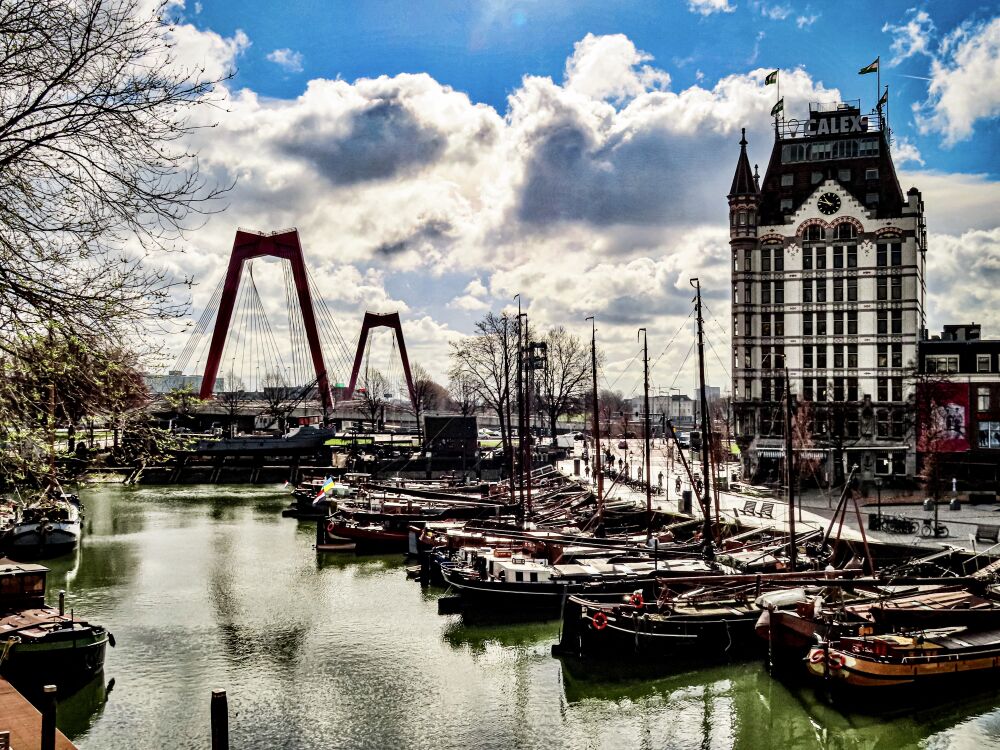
point(599, 620)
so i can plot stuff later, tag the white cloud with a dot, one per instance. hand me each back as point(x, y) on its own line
point(708, 7)
point(806, 20)
point(610, 67)
point(913, 37)
point(775, 12)
point(286, 58)
point(969, 262)
point(903, 151)
point(965, 82)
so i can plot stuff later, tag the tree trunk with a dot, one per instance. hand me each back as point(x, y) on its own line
point(553, 418)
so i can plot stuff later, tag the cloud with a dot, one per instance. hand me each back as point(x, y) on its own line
point(965, 82)
point(286, 58)
point(609, 67)
point(913, 37)
point(903, 151)
point(708, 7)
point(806, 20)
point(774, 12)
point(954, 260)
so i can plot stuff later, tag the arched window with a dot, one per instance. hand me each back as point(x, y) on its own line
point(814, 233)
point(846, 231)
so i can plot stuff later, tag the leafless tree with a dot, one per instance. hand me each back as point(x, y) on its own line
point(233, 400)
point(427, 394)
point(564, 379)
point(93, 110)
point(280, 399)
point(462, 394)
point(489, 360)
point(374, 394)
point(610, 405)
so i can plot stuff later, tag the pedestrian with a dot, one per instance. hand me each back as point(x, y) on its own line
point(659, 479)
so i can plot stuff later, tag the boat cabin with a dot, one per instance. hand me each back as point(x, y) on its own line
point(22, 585)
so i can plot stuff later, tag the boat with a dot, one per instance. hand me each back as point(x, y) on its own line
point(48, 528)
point(862, 665)
point(40, 644)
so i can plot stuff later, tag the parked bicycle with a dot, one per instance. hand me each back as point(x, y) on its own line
point(928, 529)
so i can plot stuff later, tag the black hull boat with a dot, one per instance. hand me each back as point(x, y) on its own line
point(43, 531)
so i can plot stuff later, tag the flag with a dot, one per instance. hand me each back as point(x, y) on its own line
point(873, 68)
point(771, 77)
point(884, 99)
point(778, 107)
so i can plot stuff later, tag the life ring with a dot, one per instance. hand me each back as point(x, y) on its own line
point(836, 661)
point(599, 621)
point(330, 528)
point(816, 656)
point(636, 600)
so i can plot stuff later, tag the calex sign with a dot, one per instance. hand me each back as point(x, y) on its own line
point(829, 125)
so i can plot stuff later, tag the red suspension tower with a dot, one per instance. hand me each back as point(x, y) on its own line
point(249, 245)
point(382, 320)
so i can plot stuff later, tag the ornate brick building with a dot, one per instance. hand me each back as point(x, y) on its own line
point(828, 287)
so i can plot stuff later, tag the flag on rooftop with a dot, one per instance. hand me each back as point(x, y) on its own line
point(771, 77)
point(884, 99)
point(873, 68)
point(778, 107)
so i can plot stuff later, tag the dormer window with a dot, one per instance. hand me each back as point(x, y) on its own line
point(786, 204)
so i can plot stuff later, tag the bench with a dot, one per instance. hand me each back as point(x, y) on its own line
point(766, 510)
point(988, 533)
point(749, 508)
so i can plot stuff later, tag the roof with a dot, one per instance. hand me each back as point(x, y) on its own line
point(10, 566)
point(743, 181)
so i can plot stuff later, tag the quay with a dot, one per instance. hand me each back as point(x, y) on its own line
point(24, 722)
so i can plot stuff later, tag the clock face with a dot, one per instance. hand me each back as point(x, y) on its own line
point(829, 203)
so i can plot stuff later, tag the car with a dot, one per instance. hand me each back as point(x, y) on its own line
point(623, 444)
point(579, 436)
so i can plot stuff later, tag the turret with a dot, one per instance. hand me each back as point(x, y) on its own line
point(744, 197)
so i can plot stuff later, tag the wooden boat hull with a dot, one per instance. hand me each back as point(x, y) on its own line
point(370, 539)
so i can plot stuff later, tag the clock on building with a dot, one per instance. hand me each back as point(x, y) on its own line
point(829, 203)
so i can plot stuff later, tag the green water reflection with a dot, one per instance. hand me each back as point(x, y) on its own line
point(208, 587)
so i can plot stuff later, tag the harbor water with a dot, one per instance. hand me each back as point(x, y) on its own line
point(209, 587)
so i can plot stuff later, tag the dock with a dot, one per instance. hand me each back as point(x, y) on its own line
point(24, 722)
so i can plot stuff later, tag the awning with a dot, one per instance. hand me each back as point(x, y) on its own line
point(770, 453)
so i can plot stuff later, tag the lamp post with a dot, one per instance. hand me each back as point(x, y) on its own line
point(878, 493)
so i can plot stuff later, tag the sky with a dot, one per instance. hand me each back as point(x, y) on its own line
point(439, 158)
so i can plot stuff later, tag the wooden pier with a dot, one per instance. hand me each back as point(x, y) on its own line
point(24, 722)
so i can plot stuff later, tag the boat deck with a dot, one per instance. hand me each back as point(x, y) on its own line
point(24, 722)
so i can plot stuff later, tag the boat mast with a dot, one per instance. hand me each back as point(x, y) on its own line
point(706, 436)
point(520, 405)
point(790, 471)
point(649, 457)
point(597, 425)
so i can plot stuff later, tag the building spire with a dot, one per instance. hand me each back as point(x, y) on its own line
point(743, 181)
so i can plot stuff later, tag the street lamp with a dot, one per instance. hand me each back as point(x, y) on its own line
point(878, 493)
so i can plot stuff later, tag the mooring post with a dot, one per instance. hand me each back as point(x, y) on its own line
point(320, 531)
point(48, 718)
point(220, 720)
point(62, 602)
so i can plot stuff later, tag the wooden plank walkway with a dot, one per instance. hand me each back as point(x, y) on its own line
point(24, 721)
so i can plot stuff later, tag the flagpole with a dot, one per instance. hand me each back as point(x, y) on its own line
point(878, 88)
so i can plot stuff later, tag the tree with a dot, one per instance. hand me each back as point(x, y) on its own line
point(610, 404)
point(92, 115)
point(462, 394)
point(374, 389)
point(183, 401)
point(280, 400)
point(427, 394)
point(233, 399)
point(488, 360)
point(565, 378)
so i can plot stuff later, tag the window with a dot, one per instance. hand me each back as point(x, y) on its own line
point(779, 324)
point(747, 260)
point(853, 422)
point(852, 391)
point(838, 256)
point(883, 423)
point(838, 323)
point(765, 259)
point(844, 175)
point(765, 293)
point(816, 178)
point(820, 258)
point(983, 363)
point(852, 289)
point(779, 259)
point(897, 287)
point(821, 396)
point(852, 254)
point(814, 233)
point(852, 322)
point(838, 387)
point(852, 358)
point(821, 324)
point(807, 290)
point(882, 322)
point(838, 356)
point(846, 231)
point(871, 174)
point(779, 292)
point(736, 261)
point(787, 180)
point(821, 357)
point(881, 288)
point(882, 256)
point(786, 204)
point(882, 355)
point(983, 398)
point(779, 357)
point(765, 389)
point(838, 289)
point(743, 218)
point(765, 325)
point(989, 434)
point(807, 389)
point(748, 356)
point(896, 253)
point(807, 357)
point(736, 325)
point(807, 324)
point(897, 389)
point(868, 147)
point(897, 321)
point(897, 355)
point(807, 258)
point(883, 389)
point(941, 363)
point(871, 199)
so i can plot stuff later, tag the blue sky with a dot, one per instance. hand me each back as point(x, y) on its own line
point(439, 158)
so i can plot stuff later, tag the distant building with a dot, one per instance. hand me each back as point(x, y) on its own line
point(175, 379)
point(958, 404)
point(828, 261)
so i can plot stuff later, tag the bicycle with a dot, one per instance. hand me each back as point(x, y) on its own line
point(928, 530)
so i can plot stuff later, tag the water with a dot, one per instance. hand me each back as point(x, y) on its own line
point(209, 587)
